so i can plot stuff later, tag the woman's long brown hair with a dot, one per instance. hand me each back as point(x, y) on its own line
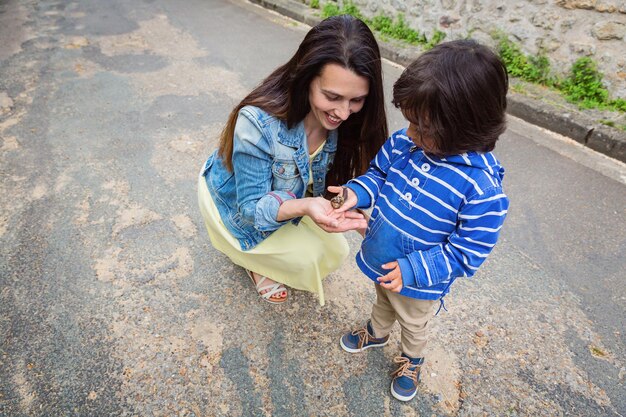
point(342, 40)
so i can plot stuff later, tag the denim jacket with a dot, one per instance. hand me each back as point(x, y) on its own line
point(270, 166)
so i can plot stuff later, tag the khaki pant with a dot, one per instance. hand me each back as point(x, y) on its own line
point(412, 314)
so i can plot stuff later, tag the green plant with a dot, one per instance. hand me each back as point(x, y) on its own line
point(397, 29)
point(400, 30)
point(518, 88)
point(535, 69)
point(330, 9)
point(584, 85)
point(540, 70)
point(611, 123)
point(381, 22)
point(351, 9)
point(437, 37)
point(619, 104)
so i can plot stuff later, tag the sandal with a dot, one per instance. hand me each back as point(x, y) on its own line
point(273, 289)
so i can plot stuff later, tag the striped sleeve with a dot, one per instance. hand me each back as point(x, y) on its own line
point(478, 227)
point(367, 186)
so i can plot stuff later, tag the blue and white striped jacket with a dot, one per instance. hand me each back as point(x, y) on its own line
point(438, 217)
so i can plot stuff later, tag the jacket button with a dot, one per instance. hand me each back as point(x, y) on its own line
point(415, 181)
point(425, 167)
point(408, 196)
point(281, 170)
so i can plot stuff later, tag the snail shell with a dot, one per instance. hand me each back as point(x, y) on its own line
point(338, 200)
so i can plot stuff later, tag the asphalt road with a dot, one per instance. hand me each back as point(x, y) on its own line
point(112, 301)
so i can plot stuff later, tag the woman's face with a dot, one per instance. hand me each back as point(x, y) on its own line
point(335, 94)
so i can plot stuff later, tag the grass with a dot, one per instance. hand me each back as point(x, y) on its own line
point(582, 86)
point(534, 69)
point(388, 27)
point(612, 124)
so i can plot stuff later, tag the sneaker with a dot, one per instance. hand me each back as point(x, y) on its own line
point(406, 377)
point(361, 339)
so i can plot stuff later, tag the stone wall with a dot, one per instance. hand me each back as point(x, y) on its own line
point(564, 30)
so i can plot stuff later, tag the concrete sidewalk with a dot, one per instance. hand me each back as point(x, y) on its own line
point(543, 108)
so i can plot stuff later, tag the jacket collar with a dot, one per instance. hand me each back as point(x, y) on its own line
point(296, 136)
point(293, 137)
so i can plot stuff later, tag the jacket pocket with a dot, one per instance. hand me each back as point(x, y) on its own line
point(285, 175)
point(373, 226)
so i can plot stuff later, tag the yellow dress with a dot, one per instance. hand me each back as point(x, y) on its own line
point(297, 256)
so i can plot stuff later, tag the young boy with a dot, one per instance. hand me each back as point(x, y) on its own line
point(437, 194)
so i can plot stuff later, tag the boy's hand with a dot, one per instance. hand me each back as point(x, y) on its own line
point(349, 202)
point(393, 280)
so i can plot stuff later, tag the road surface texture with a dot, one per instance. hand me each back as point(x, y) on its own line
point(114, 303)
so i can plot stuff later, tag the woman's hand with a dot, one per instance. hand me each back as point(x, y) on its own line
point(349, 202)
point(350, 220)
point(331, 220)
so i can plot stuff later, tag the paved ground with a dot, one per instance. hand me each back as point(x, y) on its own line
point(112, 301)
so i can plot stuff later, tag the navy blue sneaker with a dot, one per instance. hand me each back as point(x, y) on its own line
point(406, 377)
point(361, 339)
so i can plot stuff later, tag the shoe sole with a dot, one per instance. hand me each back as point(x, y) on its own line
point(350, 350)
point(401, 397)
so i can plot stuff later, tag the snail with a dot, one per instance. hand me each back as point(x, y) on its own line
point(338, 200)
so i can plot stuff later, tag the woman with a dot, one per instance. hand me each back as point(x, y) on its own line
point(318, 119)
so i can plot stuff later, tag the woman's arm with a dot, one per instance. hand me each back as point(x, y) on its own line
point(322, 213)
point(263, 207)
point(252, 159)
point(295, 208)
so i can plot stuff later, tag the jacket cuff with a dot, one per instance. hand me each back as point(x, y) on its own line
point(364, 200)
point(408, 275)
point(266, 210)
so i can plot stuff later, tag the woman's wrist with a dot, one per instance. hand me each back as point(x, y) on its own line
point(290, 209)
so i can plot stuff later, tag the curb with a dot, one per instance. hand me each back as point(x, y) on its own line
point(573, 124)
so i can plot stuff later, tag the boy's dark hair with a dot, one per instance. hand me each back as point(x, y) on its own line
point(456, 94)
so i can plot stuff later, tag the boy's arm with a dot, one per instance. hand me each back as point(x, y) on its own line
point(367, 186)
point(477, 231)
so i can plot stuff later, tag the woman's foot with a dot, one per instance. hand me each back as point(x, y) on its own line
point(269, 290)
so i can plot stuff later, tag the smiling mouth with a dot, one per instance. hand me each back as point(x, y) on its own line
point(333, 120)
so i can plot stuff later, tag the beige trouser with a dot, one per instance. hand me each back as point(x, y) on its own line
point(412, 314)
